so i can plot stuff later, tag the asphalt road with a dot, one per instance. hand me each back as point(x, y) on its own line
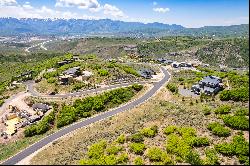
point(33, 148)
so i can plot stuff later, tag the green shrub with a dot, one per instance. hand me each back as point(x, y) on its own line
point(137, 87)
point(218, 129)
point(51, 80)
point(181, 79)
point(41, 127)
point(244, 160)
point(66, 116)
point(138, 137)
point(169, 130)
point(242, 112)
point(103, 160)
point(96, 150)
point(239, 147)
point(121, 139)
point(30, 131)
point(110, 160)
point(193, 158)
point(156, 154)
point(122, 158)
point(186, 131)
point(129, 70)
point(138, 161)
point(177, 145)
point(200, 141)
point(77, 86)
point(225, 148)
point(51, 74)
point(103, 72)
point(211, 157)
point(172, 87)
point(86, 107)
point(137, 148)
point(237, 94)
point(113, 149)
point(224, 109)
point(181, 140)
point(149, 132)
point(236, 122)
point(207, 111)
point(1, 102)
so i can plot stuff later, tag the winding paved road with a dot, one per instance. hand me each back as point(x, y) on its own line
point(36, 146)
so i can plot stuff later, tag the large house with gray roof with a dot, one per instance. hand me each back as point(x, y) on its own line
point(210, 85)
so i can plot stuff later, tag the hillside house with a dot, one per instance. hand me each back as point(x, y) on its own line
point(74, 72)
point(146, 73)
point(65, 79)
point(40, 107)
point(210, 85)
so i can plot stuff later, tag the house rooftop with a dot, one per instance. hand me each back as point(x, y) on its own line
point(211, 79)
point(71, 70)
point(40, 106)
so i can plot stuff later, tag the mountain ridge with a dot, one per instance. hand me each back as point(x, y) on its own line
point(35, 26)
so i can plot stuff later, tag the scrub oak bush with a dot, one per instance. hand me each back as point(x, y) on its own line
point(218, 129)
point(239, 147)
point(137, 148)
point(138, 161)
point(224, 109)
point(172, 87)
point(236, 122)
point(149, 132)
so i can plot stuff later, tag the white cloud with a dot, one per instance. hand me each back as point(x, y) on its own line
point(155, 3)
point(83, 4)
point(7, 2)
point(27, 5)
point(161, 10)
point(28, 11)
point(113, 11)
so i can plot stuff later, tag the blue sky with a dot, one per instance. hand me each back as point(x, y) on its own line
point(189, 13)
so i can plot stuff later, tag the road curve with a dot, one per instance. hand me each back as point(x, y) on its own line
point(36, 146)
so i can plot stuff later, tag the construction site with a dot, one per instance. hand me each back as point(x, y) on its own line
point(15, 119)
